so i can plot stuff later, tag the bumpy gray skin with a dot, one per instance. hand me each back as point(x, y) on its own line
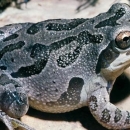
point(61, 65)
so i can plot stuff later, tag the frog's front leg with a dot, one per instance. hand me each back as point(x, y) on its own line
point(105, 112)
point(13, 104)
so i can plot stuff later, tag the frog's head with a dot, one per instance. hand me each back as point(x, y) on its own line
point(114, 55)
point(115, 58)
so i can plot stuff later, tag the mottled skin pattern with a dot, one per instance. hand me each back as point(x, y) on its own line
point(61, 65)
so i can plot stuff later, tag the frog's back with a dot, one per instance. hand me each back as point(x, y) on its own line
point(49, 60)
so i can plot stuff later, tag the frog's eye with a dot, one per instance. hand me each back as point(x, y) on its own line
point(123, 40)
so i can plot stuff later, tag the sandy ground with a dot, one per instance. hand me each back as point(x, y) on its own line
point(38, 10)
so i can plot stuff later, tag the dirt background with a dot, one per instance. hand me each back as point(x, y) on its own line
point(39, 10)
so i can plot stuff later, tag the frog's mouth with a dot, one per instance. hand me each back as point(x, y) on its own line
point(121, 87)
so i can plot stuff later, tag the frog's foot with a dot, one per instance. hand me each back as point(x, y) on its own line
point(16, 123)
point(106, 113)
point(13, 104)
point(12, 123)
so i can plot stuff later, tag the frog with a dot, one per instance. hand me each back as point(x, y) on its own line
point(60, 65)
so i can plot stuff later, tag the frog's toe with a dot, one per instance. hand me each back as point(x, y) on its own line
point(16, 123)
point(6, 120)
point(12, 123)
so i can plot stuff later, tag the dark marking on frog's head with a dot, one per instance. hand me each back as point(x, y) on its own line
point(74, 88)
point(112, 21)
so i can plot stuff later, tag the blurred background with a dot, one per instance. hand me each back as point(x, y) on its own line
point(20, 11)
point(15, 11)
